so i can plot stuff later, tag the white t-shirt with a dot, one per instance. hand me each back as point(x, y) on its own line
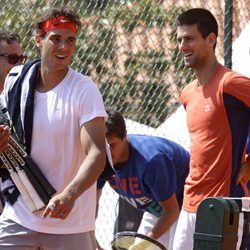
point(56, 148)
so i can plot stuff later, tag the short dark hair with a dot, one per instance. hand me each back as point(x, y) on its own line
point(206, 22)
point(9, 37)
point(115, 124)
point(54, 12)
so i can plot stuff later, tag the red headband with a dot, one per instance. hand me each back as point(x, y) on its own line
point(58, 22)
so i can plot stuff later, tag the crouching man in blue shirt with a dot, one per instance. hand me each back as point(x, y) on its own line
point(148, 172)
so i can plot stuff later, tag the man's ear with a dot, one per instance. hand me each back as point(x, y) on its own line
point(212, 39)
point(38, 41)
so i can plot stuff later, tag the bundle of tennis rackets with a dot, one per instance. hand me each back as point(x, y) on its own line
point(34, 188)
point(134, 241)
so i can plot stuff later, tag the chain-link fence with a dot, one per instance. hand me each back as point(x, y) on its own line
point(129, 49)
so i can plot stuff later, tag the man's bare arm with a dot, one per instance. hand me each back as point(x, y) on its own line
point(93, 142)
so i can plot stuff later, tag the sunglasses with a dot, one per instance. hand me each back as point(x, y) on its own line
point(14, 58)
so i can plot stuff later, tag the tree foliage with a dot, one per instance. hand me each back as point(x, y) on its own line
point(141, 82)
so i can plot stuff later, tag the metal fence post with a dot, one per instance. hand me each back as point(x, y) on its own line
point(228, 33)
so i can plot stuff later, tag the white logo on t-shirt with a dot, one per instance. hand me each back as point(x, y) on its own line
point(207, 108)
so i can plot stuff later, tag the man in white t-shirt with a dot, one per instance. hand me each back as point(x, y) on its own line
point(59, 114)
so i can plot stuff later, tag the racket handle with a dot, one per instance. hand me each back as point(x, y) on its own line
point(37, 173)
point(33, 194)
point(45, 197)
point(23, 191)
point(33, 185)
point(33, 172)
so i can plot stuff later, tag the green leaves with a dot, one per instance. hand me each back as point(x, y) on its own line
point(128, 48)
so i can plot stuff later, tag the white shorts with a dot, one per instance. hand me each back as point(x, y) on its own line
point(16, 237)
point(185, 231)
point(147, 223)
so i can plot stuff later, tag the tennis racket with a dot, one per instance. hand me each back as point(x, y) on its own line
point(33, 186)
point(18, 183)
point(134, 241)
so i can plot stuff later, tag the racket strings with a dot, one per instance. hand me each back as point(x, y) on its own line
point(125, 242)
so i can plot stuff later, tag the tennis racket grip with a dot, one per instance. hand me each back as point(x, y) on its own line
point(33, 193)
point(37, 173)
point(23, 191)
point(45, 197)
point(18, 183)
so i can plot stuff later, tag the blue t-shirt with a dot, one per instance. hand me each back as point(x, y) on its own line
point(156, 169)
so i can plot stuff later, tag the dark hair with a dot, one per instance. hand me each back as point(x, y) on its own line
point(9, 37)
point(206, 22)
point(54, 12)
point(115, 124)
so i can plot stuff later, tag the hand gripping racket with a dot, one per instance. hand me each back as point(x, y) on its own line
point(134, 241)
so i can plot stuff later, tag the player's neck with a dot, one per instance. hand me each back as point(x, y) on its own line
point(204, 73)
point(49, 79)
point(125, 156)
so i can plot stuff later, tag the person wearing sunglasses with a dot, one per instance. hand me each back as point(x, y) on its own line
point(10, 55)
